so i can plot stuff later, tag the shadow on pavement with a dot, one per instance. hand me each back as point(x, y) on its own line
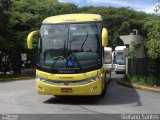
point(115, 95)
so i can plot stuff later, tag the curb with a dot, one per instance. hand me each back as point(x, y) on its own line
point(130, 85)
point(18, 78)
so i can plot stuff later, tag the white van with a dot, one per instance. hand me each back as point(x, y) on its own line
point(120, 59)
point(107, 63)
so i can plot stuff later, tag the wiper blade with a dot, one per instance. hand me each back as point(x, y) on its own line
point(84, 41)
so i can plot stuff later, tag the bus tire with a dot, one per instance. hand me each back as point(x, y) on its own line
point(109, 80)
point(104, 90)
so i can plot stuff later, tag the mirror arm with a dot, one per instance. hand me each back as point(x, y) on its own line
point(30, 38)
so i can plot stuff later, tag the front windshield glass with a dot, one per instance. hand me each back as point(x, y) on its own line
point(79, 43)
point(120, 58)
point(107, 58)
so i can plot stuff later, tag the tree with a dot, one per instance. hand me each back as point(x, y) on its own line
point(4, 7)
point(118, 21)
point(157, 7)
point(4, 39)
point(27, 15)
point(152, 27)
point(19, 17)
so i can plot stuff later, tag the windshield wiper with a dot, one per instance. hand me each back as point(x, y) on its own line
point(84, 41)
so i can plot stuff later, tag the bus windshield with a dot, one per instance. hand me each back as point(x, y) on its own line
point(78, 43)
point(120, 58)
point(107, 58)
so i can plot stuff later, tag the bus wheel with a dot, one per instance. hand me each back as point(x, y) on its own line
point(58, 96)
point(104, 91)
point(109, 80)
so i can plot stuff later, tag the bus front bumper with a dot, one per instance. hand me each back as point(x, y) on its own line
point(108, 67)
point(120, 68)
point(92, 88)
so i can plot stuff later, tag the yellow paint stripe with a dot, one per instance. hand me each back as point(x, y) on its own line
point(139, 86)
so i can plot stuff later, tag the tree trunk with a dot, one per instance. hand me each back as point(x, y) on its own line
point(16, 62)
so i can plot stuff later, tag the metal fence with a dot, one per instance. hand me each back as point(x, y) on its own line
point(145, 67)
point(153, 69)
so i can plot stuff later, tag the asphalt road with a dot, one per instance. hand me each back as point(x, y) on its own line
point(20, 97)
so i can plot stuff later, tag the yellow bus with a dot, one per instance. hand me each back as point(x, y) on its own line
point(70, 53)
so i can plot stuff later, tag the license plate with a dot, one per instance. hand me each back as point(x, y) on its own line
point(66, 90)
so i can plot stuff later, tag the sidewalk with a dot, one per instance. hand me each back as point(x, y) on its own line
point(138, 86)
point(26, 73)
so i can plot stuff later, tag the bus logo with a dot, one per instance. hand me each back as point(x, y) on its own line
point(66, 83)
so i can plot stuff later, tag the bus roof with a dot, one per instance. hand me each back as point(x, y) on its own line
point(107, 49)
point(120, 47)
point(73, 18)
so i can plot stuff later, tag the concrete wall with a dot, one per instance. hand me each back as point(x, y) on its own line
point(128, 39)
point(135, 66)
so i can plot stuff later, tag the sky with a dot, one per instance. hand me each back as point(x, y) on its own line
point(138, 5)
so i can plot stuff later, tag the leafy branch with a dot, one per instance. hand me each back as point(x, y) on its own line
point(132, 50)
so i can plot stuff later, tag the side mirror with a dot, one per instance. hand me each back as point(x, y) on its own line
point(30, 38)
point(104, 37)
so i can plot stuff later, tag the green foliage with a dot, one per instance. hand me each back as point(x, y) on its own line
point(150, 80)
point(19, 17)
point(27, 15)
point(119, 21)
point(135, 79)
point(2, 40)
point(125, 28)
point(4, 7)
point(152, 26)
point(126, 78)
point(157, 7)
point(132, 50)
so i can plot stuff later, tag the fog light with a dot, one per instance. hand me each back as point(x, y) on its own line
point(93, 89)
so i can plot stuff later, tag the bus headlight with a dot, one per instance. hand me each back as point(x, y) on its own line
point(94, 78)
point(41, 79)
point(115, 66)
